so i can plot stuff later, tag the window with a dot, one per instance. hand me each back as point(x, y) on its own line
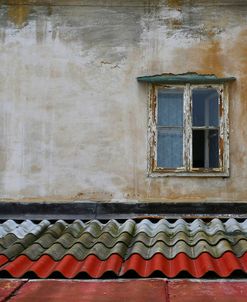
point(188, 129)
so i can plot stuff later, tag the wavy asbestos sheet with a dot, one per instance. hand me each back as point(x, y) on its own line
point(69, 267)
point(22, 229)
point(114, 228)
point(146, 239)
point(79, 252)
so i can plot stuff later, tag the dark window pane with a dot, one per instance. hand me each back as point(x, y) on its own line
point(170, 107)
point(205, 148)
point(213, 148)
point(170, 148)
point(214, 110)
point(198, 108)
point(198, 142)
point(205, 107)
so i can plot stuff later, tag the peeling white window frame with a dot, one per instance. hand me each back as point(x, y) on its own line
point(187, 169)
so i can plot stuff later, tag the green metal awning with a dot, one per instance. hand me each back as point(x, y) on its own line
point(191, 78)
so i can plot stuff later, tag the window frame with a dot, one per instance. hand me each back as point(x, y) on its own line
point(187, 169)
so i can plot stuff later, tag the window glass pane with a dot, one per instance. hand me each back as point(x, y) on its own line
point(214, 110)
point(170, 107)
point(205, 108)
point(205, 148)
point(213, 148)
point(170, 148)
point(198, 142)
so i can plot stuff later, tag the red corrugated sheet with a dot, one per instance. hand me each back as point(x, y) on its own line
point(69, 267)
point(198, 267)
point(3, 259)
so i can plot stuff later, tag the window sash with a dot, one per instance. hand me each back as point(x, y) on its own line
point(222, 126)
point(187, 167)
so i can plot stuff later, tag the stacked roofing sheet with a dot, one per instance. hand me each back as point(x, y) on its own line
point(95, 248)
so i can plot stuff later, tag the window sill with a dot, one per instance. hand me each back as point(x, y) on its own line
point(189, 174)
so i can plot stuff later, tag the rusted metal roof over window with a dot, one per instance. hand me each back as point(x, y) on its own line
point(192, 78)
point(144, 248)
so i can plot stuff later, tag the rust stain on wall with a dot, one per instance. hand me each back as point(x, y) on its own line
point(241, 48)
point(175, 23)
point(18, 13)
point(238, 56)
point(238, 62)
point(175, 3)
point(94, 196)
point(211, 58)
point(204, 58)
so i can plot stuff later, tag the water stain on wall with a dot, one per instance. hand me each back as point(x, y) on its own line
point(211, 58)
point(18, 13)
point(238, 53)
point(204, 58)
point(237, 62)
point(176, 4)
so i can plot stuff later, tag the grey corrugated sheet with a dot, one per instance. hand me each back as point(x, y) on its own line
point(22, 229)
point(125, 239)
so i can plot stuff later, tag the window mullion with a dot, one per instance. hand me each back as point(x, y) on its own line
point(187, 128)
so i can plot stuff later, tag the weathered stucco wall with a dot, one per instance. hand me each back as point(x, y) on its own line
point(73, 119)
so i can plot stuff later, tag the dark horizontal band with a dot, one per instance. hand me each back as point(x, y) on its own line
point(116, 210)
point(190, 78)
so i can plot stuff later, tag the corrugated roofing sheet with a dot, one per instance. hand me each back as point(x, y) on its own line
point(10, 227)
point(95, 248)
